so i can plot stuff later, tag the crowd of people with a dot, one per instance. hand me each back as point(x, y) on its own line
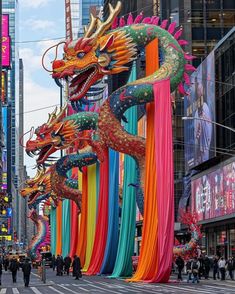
point(13, 265)
point(63, 265)
point(199, 267)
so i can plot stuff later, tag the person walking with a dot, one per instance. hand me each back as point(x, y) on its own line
point(195, 269)
point(6, 264)
point(189, 270)
point(59, 266)
point(76, 267)
point(230, 267)
point(53, 262)
point(67, 264)
point(0, 273)
point(180, 264)
point(14, 267)
point(215, 268)
point(222, 264)
point(207, 265)
point(26, 268)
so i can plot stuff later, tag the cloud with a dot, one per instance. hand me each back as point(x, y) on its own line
point(35, 3)
point(40, 24)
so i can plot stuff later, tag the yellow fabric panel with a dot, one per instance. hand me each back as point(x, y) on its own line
point(91, 211)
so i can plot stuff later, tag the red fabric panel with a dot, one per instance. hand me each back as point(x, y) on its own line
point(102, 219)
point(165, 180)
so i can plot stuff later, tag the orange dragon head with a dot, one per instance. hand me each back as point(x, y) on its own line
point(37, 187)
point(54, 135)
point(87, 59)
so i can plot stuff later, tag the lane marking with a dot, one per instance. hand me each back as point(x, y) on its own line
point(52, 288)
point(3, 291)
point(35, 275)
point(120, 287)
point(78, 285)
point(103, 289)
point(185, 289)
point(15, 291)
point(67, 289)
point(35, 290)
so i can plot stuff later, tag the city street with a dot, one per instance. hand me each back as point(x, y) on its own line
point(97, 284)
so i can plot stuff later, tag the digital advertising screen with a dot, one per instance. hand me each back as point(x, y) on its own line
point(213, 194)
point(199, 111)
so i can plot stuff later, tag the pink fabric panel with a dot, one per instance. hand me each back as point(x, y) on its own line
point(165, 179)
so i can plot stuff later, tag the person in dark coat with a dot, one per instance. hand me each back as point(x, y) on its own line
point(67, 264)
point(207, 265)
point(59, 265)
point(6, 263)
point(215, 268)
point(76, 267)
point(180, 264)
point(0, 273)
point(53, 262)
point(26, 268)
point(201, 268)
point(230, 267)
point(14, 267)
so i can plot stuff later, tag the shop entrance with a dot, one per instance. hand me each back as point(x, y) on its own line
point(222, 250)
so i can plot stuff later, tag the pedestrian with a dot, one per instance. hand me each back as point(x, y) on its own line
point(207, 265)
point(76, 267)
point(180, 264)
point(0, 273)
point(26, 268)
point(6, 263)
point(201, 267)
point(230, 267)
point(14, 267)
point(215, 268)
point(195, 269)
point(189, 270)
point(59, 265)
point(67, 264)
point(53, 262)
point(222, 264)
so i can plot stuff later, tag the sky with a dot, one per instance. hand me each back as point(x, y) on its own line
point(38, 20)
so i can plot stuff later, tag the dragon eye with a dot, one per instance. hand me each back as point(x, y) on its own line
point(42, 136)
point(81, 54)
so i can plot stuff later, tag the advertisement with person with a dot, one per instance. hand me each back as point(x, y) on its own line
point(200, 106)
point(213, 194)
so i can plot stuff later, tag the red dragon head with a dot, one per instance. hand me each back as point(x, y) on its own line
point(51, 136)
point(87, 59)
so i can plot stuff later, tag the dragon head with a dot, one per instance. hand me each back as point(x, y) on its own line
point(54, 135)
point(87, 59)
point(37, 186)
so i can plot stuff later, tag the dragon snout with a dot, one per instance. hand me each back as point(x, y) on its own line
point(57, 64)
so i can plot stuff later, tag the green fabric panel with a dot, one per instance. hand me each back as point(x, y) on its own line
point(123, 264)
point(66, 227)
point(53, 230)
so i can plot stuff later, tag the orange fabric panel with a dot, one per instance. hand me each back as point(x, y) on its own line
point(59, 228)
point(82, 240)
point(148, 253)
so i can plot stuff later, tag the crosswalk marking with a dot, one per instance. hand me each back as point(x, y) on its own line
point(52, 288)
point(15, 291)
point(35, 290)
point(3, 291)
point(185, 289)
point(111, 291)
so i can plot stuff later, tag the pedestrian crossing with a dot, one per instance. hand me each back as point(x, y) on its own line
point(119, 287)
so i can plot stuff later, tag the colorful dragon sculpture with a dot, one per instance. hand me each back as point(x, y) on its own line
point(106, 52)
point(42, 238)
point(188, 250)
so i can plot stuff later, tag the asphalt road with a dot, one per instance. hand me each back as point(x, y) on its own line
point(98, 285)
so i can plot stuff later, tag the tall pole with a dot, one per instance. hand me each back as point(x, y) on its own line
point(1, 129)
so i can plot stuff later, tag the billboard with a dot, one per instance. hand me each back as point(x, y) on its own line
point(4, 88)
point(199, 134)
point(213, 194)
point(5, 25)
point(6, 46)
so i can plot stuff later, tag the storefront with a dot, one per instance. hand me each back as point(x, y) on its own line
point(213, 198)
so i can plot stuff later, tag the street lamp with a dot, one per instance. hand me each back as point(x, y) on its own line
point(207, 120)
